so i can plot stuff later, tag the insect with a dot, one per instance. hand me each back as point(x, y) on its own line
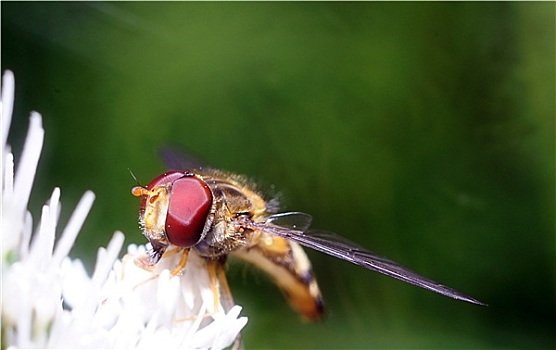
point(217, 214)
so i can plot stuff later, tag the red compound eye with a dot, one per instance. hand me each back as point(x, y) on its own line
point(188, 209)
point(165, 178)
point(161, 180)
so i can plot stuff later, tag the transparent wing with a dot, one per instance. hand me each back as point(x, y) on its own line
point(344, 249)
point(176, 159)
point(293, 220)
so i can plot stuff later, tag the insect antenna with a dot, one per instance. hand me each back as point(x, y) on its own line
point(134, 177)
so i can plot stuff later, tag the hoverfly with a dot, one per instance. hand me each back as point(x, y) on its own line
point(217, 214)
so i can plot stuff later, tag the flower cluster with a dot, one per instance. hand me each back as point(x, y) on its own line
point(49, 300)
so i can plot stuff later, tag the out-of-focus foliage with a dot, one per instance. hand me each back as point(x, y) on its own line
point(424, 131)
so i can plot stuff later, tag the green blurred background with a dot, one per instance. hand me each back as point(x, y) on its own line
point(424, 131)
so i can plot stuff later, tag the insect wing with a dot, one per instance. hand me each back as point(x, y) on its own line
point(178, 160)
point(344, 249)
point(293, 220)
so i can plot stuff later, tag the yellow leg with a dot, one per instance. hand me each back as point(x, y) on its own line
point(211, 267)
point(226, 297)
point(181, 264)
point(172, 251)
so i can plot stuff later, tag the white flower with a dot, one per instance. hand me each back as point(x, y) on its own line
point(48, 299)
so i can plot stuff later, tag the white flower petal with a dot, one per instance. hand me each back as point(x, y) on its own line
point(27, 167)
point(43, 242)
point(72, 229)
point(8, 176)
point(8, 88)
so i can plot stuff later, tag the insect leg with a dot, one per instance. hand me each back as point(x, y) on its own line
point(221, 288)
point(212, 266)
point(181, 265)
point(226, 297)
